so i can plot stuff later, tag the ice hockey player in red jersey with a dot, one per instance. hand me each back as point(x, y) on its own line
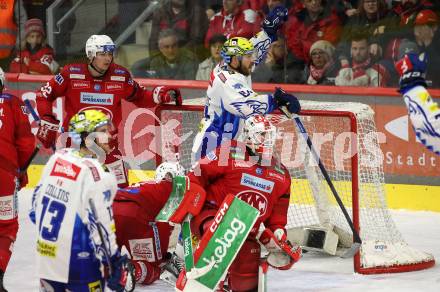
point(101, 84)
point(249, 171)
point(135, 209)
point(16, 146)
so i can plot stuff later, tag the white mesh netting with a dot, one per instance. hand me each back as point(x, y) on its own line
point(312, 202)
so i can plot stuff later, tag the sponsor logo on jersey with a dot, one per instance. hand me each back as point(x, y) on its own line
point(96, 98)
point(75, 69)
point(117, 78)
point(66, 169)
point(46, 249)
point(80, 84)
point(142, 249)
point(120, 71)
point(259, 171)
point(77, 76)
point(93, 170)
point(222, 77)
point(256, 183)
point(97, 87)
point(113, 86)
point(59, 79)
point(255, 199)
point(83, 255)
point(275, 175)
point(7, 210)
point(237, 86)
point(250, 107)
point(24, 109)
point(242, 164)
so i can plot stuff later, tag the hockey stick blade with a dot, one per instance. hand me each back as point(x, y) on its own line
point(354, 248)
point(196, 273)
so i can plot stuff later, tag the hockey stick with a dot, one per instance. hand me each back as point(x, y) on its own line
point(34, 114)
point(29, 161)
point(104, 248)
point(356, 238)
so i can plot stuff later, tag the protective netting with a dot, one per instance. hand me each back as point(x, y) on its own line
point(345, 137)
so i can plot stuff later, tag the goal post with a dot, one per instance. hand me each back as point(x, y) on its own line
point(346, 139)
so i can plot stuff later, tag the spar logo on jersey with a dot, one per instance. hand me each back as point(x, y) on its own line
point(250, 107)
point(76, 84)
point(255, 199)
point(256, 183)
point(63, 168)
point(96, 98)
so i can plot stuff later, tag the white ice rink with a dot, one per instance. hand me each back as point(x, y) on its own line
point(312, 273)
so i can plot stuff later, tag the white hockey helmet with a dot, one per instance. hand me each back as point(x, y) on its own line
point(2, 78)
point(99, 44)
point(259, 134)
point(167, 169)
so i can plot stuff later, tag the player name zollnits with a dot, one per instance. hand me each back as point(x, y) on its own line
point(57, 193)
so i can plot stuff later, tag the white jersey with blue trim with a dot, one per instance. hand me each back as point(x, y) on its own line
point(424, 114)
point(231, 99)
point(69, 248)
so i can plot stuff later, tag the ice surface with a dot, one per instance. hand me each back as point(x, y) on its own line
point(313, 273)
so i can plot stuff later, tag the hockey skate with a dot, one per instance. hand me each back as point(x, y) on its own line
point(172, 268)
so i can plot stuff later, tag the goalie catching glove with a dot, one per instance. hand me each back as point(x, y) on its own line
point(282, 254)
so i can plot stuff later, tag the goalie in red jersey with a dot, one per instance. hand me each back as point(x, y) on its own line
point(100, 84)
point(135, 209)
point(250, 172)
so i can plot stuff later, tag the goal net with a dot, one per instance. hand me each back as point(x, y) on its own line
point(345, 137)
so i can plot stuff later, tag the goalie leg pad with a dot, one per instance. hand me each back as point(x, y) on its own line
point(243, 273)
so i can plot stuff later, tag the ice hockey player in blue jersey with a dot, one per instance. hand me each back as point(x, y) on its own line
point(71, 208)
point(230, 97)
point(423, 112)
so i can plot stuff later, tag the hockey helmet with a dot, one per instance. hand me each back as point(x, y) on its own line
point(236, 46)
point(259, 134)
point(99, 44)
point(168, 169)
point(88, 121)
point(2, 78)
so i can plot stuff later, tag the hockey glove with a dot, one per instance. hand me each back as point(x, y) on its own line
point(411, 69)
point(282, 254)
point(273, 21)
point(283, 98)
point(166, 94)
point(122, 269)
point(47, 132)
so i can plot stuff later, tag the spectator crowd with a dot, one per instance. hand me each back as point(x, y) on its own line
point(328, 42)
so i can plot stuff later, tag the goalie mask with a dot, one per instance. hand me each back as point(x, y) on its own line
point(260, 135)
point(168, 170)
